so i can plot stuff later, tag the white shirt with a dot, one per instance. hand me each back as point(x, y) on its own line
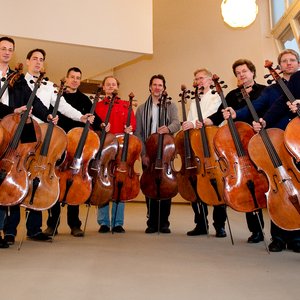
point(4, 99)
point(209, 104)
point(155, 116)
point(46, 93)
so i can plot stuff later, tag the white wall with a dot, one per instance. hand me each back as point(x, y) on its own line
point(114, 24)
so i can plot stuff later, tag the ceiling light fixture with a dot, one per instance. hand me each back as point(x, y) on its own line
point(239, 13)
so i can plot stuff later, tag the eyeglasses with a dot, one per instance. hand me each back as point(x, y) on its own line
point(10, 50)
point(201, 78)
point(291, 60)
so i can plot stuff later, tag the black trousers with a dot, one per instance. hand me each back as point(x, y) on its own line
point(156, 209)
point(201, 212)
point(72, 215)
point(284, 236)
point(12, 220)
point(253, 223)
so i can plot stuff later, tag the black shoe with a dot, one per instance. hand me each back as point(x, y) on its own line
point(40, 237)
point(256, 237)
point(118, 229)
point(77, 232)
point(9, 239)
point(276, 246)
point(150, 230)
point(220, 232)
point(165, 230)
point(196, 231)
point(3, 243)
point(49, 231)
point(104, 229)
point(294, 245)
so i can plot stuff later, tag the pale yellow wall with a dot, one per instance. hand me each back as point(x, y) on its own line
point(191, 34)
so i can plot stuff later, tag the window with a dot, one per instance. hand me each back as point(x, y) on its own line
point(288, 40)
point(286, 23)
point(278, 9)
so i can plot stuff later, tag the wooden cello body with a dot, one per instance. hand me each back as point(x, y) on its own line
point(284, 179)
point(75, 181)
point(210, 184)
point(187, 175)
point(158, 180)
point(244, 186)
point(126, 180)
point(22, 136)
point(291, 138)
point(13, 174)
point(43, 188)
point(101, 167)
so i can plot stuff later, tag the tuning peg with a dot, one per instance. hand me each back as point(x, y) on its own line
point(224, 86)
point(270, 81)
point(213, 92)
point(267, 75)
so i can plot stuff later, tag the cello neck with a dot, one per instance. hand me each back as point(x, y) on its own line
point(206, 151)
point(276, 161)
point(126, 135)
point(234, 133)
point(103, 132)
point(187, 144)
point(48, 135)
point(85, 131)
point(15, 141)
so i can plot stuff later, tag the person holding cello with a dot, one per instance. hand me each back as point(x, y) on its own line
point(47, 94)
point(147, 116)
point(288, 61)
point(209, 104)
point(18, 96)
point(245, 71)
point(79, 103)
point(278, 116)
point(117, 122)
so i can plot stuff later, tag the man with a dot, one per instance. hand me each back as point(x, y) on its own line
point(209, 104)
point(81, 104)
point(147, 123)
point(279, 115)
point(288, 60)
point(47, 95)
point(14, 99)
point(117, 122)
point(245, 72)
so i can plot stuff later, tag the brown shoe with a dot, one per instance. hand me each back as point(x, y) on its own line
point(49, 231)
point(77, 232)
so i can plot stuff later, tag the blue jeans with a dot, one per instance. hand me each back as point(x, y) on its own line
point(103, 215)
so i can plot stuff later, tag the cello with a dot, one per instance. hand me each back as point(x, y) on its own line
point(244, 186)
point(75, 181)
point(158, 180)
point(210, 178)
point(187, 175)
point(291, 138)
point(23, 136)
point(126, 180)
point(43, 191)
point(268, 152)
point(101, 168)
